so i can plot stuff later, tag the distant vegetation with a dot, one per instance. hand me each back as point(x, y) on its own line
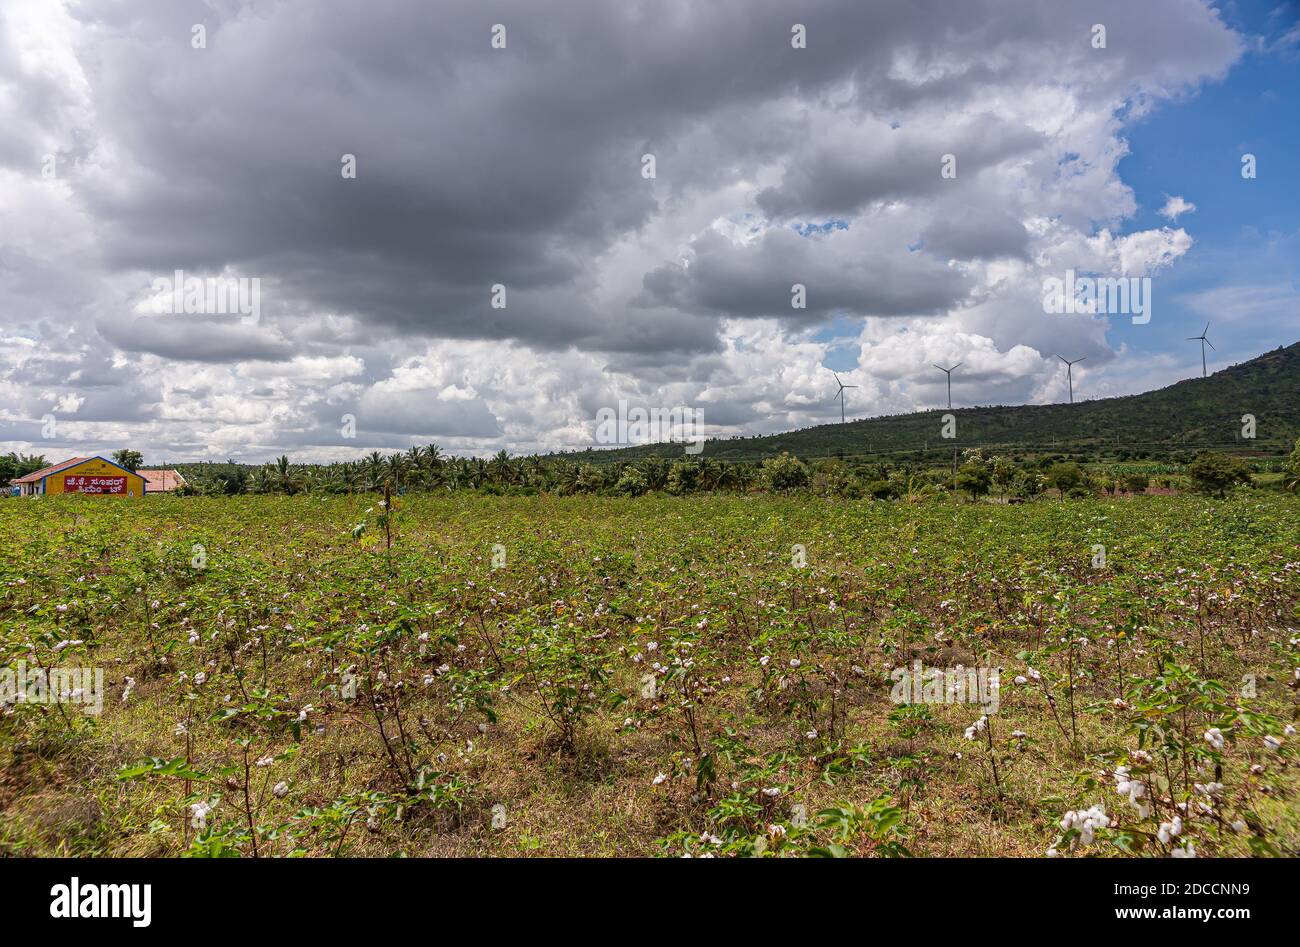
point(13, 466)
point(974, 474)
point(1174, 422)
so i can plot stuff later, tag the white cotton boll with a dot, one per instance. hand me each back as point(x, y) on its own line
point(1086, 821)
point(1170, 830)
point(1214, 737)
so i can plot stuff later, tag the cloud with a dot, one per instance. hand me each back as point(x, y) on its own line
point(1175, 207)
point(523, 167)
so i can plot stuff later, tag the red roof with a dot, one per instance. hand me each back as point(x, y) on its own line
point(162, 481)
point(46, 471)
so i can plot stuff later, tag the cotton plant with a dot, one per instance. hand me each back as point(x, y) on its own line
point(1186, 789)
point(839, 831)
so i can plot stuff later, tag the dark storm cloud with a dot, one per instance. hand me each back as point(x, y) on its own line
point(840, 176)
point(422, 411)
point(195, 338)
point(475, 166)
point(983, 234)
point(756, 279)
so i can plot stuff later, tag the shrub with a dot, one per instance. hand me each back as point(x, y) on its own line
point(882, 489)
point(833, 478)
point(1136, 482)
point(631, 483)
point(1215, 474)
point(784, 473)
point(1064, 477)
point(974, 478)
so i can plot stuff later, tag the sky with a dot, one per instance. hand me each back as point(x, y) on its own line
point(484, 224)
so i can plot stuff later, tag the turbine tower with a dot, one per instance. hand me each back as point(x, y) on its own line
point(1069, 372)
point(948, 372)
point(1204, 342)
point(840, 394)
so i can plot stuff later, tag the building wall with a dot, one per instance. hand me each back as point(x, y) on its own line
point(96, 477)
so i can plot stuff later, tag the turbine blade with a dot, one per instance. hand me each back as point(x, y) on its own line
point(1210, 344)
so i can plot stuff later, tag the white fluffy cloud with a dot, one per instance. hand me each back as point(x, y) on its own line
point(1175, 207)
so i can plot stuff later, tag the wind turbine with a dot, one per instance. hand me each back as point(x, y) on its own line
point(948, 372)
point(1204, 342)
point(840, 394)
point(1069, 372)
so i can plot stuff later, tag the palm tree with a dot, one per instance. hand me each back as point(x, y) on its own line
point(710, 474)
point(354, 476)
point(415, 462)
point(433, 458)
point(285, 476)
point(732, 477)
point(500, 470)
point(655, 470)
point(396, 470)
point(477, 470)
point(533, 471)
point(375, 471)
point(566, 476)
point(263, 481)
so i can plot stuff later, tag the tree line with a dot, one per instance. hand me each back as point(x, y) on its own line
point(976, 476)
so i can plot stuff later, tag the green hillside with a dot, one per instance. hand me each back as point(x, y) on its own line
point(1192, 414)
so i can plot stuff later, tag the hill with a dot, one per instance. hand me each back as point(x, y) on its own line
point(1193, 414)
